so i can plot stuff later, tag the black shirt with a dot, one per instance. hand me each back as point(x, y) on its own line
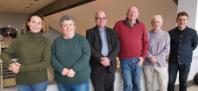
point(182, 45)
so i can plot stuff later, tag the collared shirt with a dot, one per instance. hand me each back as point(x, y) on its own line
point(129, 24)
point(103, 37)
point(159, 46)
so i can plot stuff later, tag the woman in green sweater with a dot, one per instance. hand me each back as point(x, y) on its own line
point(33, 57)
point(70, 58)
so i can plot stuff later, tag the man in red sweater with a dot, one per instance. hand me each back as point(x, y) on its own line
point(133, 49)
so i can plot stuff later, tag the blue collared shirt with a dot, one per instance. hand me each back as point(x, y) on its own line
point(104, 50)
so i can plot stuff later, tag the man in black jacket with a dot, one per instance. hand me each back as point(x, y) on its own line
point(183, 41)
point(104, 49)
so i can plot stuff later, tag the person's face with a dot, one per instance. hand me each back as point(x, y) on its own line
point(35, 24)
point(182, 21)
point(156, 24)
point(132, 13)
point(68, 27)
point(101, 19)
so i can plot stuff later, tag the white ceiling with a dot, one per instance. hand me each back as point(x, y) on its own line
point(23, 6)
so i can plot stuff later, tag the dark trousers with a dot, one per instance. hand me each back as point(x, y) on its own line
point(183, 75)
point(103, 80)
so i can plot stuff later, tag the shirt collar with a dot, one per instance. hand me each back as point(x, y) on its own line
point(128, 24)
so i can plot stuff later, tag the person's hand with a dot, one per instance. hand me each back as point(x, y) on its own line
point(153, 60)
point(140, 63)
point(71, 73)
point(105, 61)
point(64, 72)
point(14, 67)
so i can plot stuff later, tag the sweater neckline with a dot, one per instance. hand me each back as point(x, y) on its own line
point(33, 34)
point(69, 38)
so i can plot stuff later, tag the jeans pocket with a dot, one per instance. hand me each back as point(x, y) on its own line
point(135, 60)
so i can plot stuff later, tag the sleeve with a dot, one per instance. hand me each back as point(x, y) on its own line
point(117, 29)
point(43, 64)
point(96, 55)
point(144, 42)
point(165, 52)
point(116, 46)
point(149, 53)
point(194, 40)
point(6, 55)
point(58, 67)
point(83, 61)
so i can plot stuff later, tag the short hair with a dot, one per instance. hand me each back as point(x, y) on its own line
point(65, 17)
point(29, 18)
point(182, 14)
point(159, 17)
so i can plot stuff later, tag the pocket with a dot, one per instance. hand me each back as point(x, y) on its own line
point(135, 60)
point(125, 64)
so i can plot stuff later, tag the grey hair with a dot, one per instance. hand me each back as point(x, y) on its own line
point(67, 18)
point(158, 17)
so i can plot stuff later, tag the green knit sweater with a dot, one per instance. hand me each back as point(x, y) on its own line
point(71, 53)
point(33, 53)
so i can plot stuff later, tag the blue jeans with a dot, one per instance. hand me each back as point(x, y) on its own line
point(34, 87)
point(131, 73)
point(74, 87)
point(183, 75)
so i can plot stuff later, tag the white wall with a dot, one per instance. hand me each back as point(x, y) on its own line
point(14, 19)
point(116, 10)
point(190, 6)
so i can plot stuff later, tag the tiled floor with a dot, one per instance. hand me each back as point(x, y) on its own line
point(193, 88)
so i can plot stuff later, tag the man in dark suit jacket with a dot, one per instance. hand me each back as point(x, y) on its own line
point(104, 49)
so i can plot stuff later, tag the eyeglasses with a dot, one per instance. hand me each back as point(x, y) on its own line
point(101, 18)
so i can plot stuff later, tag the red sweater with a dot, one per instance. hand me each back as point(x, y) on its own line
point(133, 40)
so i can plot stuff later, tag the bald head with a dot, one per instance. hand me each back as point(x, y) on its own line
point(100, 13)
point(100, 18)
point(132, 8)
point(132, 13)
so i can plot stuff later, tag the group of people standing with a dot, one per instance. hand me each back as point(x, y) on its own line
point(76, 59)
